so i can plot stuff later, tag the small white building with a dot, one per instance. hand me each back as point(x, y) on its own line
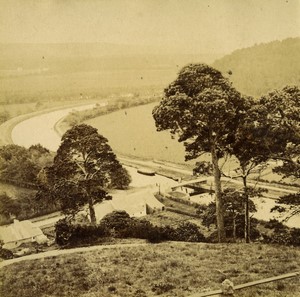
point(19, 232)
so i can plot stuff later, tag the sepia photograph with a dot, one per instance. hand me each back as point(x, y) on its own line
point(149, 148)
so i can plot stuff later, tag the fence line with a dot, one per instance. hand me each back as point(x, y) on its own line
point(250, 284)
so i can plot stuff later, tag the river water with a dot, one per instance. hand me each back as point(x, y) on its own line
point(40, 129)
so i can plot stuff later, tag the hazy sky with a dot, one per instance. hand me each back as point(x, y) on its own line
point(190, 25)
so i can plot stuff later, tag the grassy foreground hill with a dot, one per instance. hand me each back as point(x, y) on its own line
point(261, 68)
point(166, 269)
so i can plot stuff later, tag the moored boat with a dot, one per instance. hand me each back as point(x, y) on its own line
point(146, 171)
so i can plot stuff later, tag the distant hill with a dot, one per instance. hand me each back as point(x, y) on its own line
point(264, 67)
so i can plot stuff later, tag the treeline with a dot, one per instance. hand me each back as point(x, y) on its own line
point(20, 167)
point(119, 224)
point(23, 207)
point(77, 117)
point(261, 68)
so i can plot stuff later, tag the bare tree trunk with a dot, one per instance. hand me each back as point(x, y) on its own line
point(234, 228)
point(218, 197)
point(92, 213)
point(247, 218)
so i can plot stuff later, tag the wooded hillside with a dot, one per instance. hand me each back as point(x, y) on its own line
point(264, 67)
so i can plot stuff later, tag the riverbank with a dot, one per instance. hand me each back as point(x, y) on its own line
point(163, 169)
point(7, 127)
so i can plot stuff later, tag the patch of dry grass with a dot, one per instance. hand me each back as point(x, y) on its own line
point(167, 269)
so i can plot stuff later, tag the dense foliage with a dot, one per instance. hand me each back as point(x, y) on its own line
point(283, 118)
point(68, 233)
point(83, 169)
point(281, 234)
point(234, 209)
point(204, 110)
point(23, 206)
point(20, 166)
point(261, 68)
point(118, 224)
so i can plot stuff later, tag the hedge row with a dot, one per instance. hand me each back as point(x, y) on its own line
point(281, 234)
point(118, 224)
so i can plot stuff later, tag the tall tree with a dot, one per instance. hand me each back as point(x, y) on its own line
point(203, 109)
point(283, 108)
point(269, 130)
point(251, 148)
point(290, 168)
point(234, 205)
point(84, 167)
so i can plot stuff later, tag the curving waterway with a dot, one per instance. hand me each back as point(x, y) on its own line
point(40, 129)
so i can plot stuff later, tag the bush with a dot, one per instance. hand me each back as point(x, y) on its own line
point(63, 231)
point(295, 237)
point(68, 234)
point(118, 223)
point(6, 254)
point(155, 234)
point(86, 234)
point(188, 231)
point(213, 237)
point(282, 234)
point(139, 228)
point(274, 224)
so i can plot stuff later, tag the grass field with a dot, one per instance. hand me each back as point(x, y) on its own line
point(167, 269)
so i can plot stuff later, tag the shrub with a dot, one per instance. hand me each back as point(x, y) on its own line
point(282, 234)
point(156, 234)
point(274, 224)
point(185, 232)
point(71, 234)
point(188, 231)
point(213, 237)
point(63, 231)
point(117, 222)
point(295, 237)
point(6, 254)
point(139, 228)
point(85, 234)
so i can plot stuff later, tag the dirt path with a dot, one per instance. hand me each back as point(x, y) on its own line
point(55, 253)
